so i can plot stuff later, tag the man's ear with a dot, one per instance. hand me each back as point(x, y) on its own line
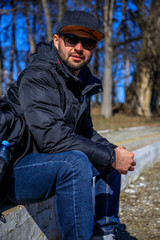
point(56, 40)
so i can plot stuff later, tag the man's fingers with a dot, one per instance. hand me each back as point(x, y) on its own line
point(133, 163)
point(124, 160)
point(132, 155)
point(123, 172)
point(131, 169)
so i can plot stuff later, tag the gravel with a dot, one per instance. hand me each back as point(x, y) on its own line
point(140, 208)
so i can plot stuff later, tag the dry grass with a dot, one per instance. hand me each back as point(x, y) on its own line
point(121, 120)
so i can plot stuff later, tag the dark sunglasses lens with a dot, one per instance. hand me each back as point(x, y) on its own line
point(71, 40)
point(88, 44)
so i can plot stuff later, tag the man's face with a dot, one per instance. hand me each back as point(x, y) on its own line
point(75, 57)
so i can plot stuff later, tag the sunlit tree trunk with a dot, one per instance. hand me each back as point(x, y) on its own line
point(96, 9)
point(139, 93)
point(48, 20)
point(156, 93)
point(107, 84)
point(61, 9)
point(126, 51)
point(30, 36)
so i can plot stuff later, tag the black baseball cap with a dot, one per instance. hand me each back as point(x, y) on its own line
point(80, 20)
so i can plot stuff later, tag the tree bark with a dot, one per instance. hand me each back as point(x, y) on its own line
point(96, 10)
point(107, 84)
point(61, 9)
point(139, 93)
point(48, 20)
point(30, 36)
point(126, 60)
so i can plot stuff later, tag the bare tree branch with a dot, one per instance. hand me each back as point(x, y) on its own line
point(117, 44)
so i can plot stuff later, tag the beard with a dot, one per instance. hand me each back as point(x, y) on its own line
point(70, 65)
point(73, 67)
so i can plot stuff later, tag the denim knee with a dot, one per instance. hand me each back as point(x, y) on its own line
point(76, 163)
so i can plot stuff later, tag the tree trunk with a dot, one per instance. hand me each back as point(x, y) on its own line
point(48, 20)
point(30, 36)
point(96, 10)
point(61, 9)
point(126, 60)
point(156, 95)
point(107, 84)
point(139, 93)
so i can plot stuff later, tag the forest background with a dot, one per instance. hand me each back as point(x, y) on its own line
point(127, 60)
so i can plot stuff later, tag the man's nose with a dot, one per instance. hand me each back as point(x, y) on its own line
point(79, 46)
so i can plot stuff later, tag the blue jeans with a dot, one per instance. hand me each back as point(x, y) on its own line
point(69, 175)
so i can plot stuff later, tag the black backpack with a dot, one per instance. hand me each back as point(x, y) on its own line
point(13, 129)
point(12, 125)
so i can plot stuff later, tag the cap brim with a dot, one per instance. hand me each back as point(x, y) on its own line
point(98, 35)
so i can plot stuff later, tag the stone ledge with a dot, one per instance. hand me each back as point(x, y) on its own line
point(145, 158)
point(36, 221)
point(39, 221)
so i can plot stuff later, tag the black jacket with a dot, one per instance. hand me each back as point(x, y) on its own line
point(56, 107)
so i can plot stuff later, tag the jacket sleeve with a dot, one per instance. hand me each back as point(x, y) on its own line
point(40, 103)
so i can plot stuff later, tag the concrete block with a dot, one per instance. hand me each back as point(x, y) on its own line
point(145, 158)
point(31, 222)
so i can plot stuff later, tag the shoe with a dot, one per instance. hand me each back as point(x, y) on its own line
point(110, 236)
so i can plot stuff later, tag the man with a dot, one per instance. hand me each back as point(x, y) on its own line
point(53, 95)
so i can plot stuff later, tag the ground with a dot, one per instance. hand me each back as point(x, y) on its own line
point(121, 120)
point(140, 207)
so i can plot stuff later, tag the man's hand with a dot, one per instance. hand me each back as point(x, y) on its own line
point(124, 160)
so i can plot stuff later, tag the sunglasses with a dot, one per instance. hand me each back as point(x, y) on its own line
point(71, 40)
